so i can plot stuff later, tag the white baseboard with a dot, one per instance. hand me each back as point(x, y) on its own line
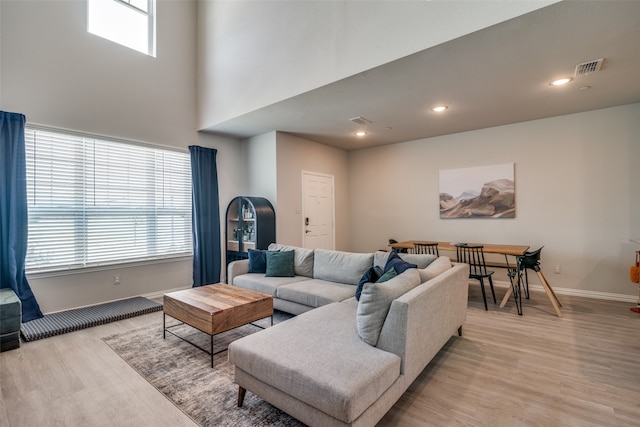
point(579, 292)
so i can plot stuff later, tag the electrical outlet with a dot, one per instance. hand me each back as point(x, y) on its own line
point(116, 279)
point(556, 269)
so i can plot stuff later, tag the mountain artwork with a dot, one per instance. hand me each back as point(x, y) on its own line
point(478, 192)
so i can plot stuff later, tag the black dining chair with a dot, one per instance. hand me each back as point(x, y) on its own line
point(426, 248)
point(474, 256)
point(530, 260)
point(398, 250)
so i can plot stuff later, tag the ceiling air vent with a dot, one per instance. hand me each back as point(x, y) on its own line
point(589, 67)
point(361, 120)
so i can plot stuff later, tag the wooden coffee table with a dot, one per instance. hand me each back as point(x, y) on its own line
point(213, 309)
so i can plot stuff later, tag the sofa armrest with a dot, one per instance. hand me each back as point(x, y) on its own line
point(236, 268)
point(421, 321)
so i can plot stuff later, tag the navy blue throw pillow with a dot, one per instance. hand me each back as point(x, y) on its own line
point(371, 275)
point(400, 265)
point(257, 261)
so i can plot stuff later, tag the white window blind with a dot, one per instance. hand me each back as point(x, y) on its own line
point(93, 202)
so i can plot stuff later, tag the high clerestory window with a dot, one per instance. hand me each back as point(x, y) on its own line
point(95, 202)
point(130, 23)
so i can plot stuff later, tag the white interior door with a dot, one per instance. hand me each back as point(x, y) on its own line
point(318, 229)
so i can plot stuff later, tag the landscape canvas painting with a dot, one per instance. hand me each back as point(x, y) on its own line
point(478, 192)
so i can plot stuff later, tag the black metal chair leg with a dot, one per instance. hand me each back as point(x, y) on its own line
point(492, 291)
point(517, 293)
point(484, 295)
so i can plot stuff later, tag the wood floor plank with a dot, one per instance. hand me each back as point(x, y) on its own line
point(506, 370)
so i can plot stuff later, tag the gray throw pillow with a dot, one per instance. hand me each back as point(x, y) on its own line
point(375, 301)
point(280, 264)
point(439, 266)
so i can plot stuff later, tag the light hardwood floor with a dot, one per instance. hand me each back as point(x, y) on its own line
point(506, 370)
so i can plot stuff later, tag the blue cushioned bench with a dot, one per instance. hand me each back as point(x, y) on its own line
point(10, 320)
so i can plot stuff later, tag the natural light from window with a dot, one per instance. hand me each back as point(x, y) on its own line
point(95, 202)
point(130, 23)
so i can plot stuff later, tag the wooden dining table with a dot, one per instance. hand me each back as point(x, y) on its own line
point(489, 248)
point(514, 251)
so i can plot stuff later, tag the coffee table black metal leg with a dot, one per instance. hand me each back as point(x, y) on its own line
point(211, 336)
point(164, 326)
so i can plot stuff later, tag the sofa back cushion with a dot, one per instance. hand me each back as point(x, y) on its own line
point(375, 300)
point(421, 260)
point(340, 267)
point(302, 260)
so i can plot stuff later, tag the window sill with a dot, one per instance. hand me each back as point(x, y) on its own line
point(115, 266)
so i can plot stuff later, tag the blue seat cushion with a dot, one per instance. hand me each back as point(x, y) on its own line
point(10, 305)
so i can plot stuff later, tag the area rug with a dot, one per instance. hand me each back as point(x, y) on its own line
point(85, 317)
point(183, 374)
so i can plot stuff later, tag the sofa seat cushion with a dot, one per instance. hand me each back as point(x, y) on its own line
point(340, 267)
point(315, 293)
point(261, 283)
point(310, 357)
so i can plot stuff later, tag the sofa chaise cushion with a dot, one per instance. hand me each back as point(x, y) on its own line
point(340, 267)
point(309, 375)
point(315, 292)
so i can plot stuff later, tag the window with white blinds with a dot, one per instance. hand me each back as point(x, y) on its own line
point(94, 202)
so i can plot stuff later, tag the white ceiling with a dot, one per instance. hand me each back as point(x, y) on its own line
point(495, 76)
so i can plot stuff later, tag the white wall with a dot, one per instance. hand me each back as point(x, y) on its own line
point(295, 154)
point(256, 53)
point(59, 75)
point(260, 167)
point(576, 193)
point(274, 166)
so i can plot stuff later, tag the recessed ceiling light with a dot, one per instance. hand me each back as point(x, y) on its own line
point(439, 108)
point(361, 133)
point(561, 82)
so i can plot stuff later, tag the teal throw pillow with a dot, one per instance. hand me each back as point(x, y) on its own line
point(390, 274)
point(280, 264)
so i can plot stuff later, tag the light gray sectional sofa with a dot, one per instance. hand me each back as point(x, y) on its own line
point(344, 362)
